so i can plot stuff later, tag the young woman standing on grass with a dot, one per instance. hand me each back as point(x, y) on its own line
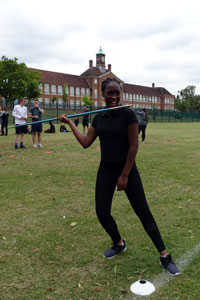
point(142, 123)
point(118, 134)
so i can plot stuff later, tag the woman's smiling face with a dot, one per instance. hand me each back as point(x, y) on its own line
point(112, 94)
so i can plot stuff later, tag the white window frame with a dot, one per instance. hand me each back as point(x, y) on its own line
point(53, 89)
point(78, 91)
point(46, 88)
point(60, 90)
point(71, 91)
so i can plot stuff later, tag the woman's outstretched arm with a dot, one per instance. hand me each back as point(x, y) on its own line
point(84, 140)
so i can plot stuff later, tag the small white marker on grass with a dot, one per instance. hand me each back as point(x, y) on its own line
point(142, 288)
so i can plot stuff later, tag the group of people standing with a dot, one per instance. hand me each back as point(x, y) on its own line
point(4, 115)
point(20, 114)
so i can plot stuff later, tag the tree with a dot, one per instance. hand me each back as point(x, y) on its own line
point(65, 93)
point(16, 81)
point(32, 89)
point(187, 99)
point(87, 101)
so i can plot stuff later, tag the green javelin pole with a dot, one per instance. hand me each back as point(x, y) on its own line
point(73, 116)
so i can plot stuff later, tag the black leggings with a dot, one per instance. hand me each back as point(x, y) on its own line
point(143, 129)
point(105, 186)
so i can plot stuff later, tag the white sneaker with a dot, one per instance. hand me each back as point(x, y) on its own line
point(34, 146)
point(40, 145)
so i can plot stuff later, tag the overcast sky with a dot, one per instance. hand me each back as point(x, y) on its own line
point(145, 41)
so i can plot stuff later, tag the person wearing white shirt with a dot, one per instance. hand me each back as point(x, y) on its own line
point(20, 115)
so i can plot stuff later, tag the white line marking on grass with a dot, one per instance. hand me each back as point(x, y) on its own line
point(182, 263)
point(165, 277)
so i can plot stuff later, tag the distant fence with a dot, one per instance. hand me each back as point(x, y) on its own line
point(155, 115)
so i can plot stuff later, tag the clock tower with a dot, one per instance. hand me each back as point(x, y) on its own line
point(100, 60)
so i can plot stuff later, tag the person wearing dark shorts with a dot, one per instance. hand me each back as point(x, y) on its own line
point(20, 114)
point(85, 119)
point(118, 134)
point(36, 129)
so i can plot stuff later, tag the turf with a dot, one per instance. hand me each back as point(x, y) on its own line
point(51, 243)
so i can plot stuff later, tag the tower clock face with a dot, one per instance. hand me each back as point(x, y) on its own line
point(102, 59)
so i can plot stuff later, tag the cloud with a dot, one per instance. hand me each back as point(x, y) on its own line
point(138, 30)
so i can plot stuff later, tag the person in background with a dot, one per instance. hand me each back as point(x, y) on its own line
point(85, 119)
point(4, 123)
point(63, 128)
point(20, 114)
point(118, 134)
point(36, 114)
point(51, 129)
point(142, 123)
point(76, 121)
point(1, 113)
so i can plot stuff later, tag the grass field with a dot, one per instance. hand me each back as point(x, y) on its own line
point(51, 243)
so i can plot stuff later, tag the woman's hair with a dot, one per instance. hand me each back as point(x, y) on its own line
point(106, 81)
point(146, 114)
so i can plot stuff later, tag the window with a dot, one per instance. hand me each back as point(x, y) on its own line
point(103, 103)
point(96, 103)
point(46, 88)
point(78, 103)
point(60, 103)
point(40, 87)
point(144, 98)
point(155, 99)
point(53, 89)
point(40, 102)
point(71, 90)
point(71, 104)
point(82, 91)
point(140, 97)
point(124, 96)
point(59, 89)
point(137, 97)
point(149, 98)
point(46, 102)
point(95, 81)
point(95, 93)
point(77, 91)
point(130, 97)
point(88, 92)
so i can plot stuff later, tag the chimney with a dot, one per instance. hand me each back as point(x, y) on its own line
point(90, 64)
point(153, 85)
point(109, 67)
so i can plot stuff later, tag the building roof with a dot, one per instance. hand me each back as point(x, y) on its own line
point(57, 78)
point(144, 90)
point(62, 78)
point(92, 72)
